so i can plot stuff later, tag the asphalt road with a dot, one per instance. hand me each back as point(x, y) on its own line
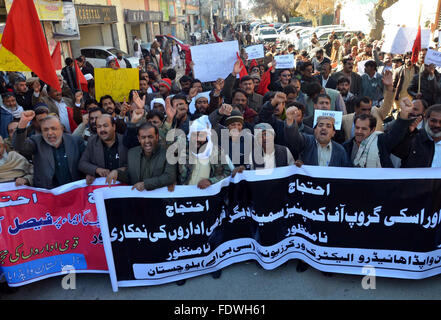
point(241, 281)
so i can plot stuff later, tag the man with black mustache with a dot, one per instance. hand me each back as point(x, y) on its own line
point(422, 147)
point(147, 165)
point(105, 150)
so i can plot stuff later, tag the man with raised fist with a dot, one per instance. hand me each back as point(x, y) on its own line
point(55, 154)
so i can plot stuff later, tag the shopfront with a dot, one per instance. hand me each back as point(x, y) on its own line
point(97, 25)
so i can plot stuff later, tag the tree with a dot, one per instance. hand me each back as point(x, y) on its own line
point(377, 29)
point(314, 9)
point(283, 9)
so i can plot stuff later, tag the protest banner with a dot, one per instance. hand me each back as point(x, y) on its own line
point(117, 83)
point(433, 57)
point(285, 61)
point(335, 219)
point(337, 115)
point(399, 40)
point(43, 231)
point(215, 60)
point(8, 61)
point(255, 52)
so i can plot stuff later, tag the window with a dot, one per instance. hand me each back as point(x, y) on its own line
point(88, 53)
point(267, 32)
point(101, 54)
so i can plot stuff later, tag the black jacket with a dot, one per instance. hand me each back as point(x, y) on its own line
point(416, 150)
point(430, 89)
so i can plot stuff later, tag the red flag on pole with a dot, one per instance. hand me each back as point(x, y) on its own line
point(216, 36)
point(81, 80)
point(416, 46)
point(24, 37)
point(264, 82)
point(161, 63)
point(56, 57)
point(243, 72)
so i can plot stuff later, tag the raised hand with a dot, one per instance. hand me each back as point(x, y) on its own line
point(193, 93)
point(26, 117)
point(85, 118)
point(280, 97)
point(388, 79)
point(406, 108)
point(225, 109)
point(237, 68)
point(124, 108)
point(219, 85)
point(137, 115)
point(291, 115)
point(78, 97)
point(139, 103)
point(170, 111)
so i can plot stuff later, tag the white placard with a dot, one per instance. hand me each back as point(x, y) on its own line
point(337, 115)
point(215, 60)
point(255, 52)
point(399, 40)
point(433, 57)
point(360, 66)
point(285, 62)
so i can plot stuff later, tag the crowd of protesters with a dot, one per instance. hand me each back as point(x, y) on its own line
point(391, 118)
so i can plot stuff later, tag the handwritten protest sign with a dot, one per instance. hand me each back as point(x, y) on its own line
point(44, 231)
point(10, 62)
point(215, 60)
point(433, 57)
point(116, 83)
point(284, 62)
point(337, 115)
point(399, 40)
point(255, 52)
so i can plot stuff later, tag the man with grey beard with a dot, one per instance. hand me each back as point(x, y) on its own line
point(55, 154)
point(422, 147)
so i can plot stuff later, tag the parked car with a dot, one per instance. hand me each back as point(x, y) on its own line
point(97, 56)
point(339, 34)
point(267, 34)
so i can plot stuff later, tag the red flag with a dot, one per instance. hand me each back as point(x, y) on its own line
point(81, 80)
point(216, 36)
point(56, 57)
point(243, 72)
point(416, 46)
point(187, 62)
point(161, 63)
point(23, 36)
point(264, 82)
point(253, 63)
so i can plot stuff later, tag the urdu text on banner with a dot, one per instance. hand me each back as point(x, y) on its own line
point(335, 219)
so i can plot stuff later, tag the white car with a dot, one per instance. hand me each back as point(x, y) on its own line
point(267, 35)
point(97, 56)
